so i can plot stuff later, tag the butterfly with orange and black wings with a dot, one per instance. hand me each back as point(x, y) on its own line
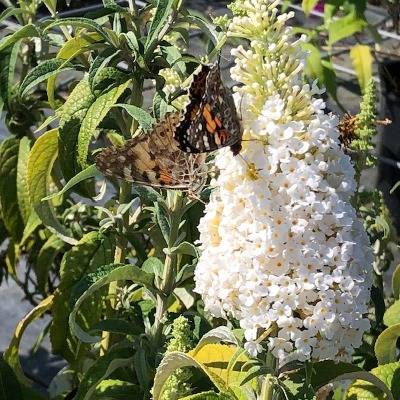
point(210, 121)
point(155, 160)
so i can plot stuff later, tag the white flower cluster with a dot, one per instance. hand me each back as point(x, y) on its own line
point(283, 249)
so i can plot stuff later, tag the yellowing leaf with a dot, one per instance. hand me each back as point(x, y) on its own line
point(386, 345)
point(40, 163)
point(77, 45)
point(385, 386)
point(345, 27)
point(11, 354)
point(308, 5)
point(226, 366)
point(362, 62)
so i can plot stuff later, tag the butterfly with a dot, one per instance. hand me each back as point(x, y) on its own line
point(155, 159)
point(210, 121)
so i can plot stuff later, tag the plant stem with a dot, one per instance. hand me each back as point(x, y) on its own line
point(119, 257)
point(175, 203)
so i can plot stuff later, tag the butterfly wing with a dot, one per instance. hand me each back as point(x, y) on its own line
point(210, 120)
point(154, 159)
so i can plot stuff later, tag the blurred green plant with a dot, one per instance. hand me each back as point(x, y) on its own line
point(344, 26)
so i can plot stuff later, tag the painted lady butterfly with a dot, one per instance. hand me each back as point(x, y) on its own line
point(210, 120)
point(172, 155)
point(155, 160)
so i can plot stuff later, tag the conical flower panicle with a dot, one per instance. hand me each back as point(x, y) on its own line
point(282, 246)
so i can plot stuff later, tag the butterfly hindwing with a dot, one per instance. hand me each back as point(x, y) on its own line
point(154, 159)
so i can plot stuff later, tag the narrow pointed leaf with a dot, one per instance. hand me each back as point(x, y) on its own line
point(45, 259)
point(42, 72)
point(308, 6)
point(160, 18)
point(82, 23)
point(92, 251)
point(102, 368)
point(89, 172)
point(8, 59)
point(26, 31)
point(95, 114)
point(362, 63)
point(345, 26)
point(71, 116)
point(11, 353)
point(10, 12)
point(40, 163)
point(9, 385)
point(92, 283)
point(11, 215)
point(145, 120)
point(25, 207)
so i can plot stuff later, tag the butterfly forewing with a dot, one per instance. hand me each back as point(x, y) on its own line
point(154, 159)
point(210, 121)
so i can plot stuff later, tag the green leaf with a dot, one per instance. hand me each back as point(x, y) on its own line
point(40, 164)
point(158, 23)
point(153, 266)
point(25, 207)
point(26, 31)
point(217, 335)
point(92, 283)
point(213, 360)
point(89, 172)
point(42, 72)
point(119, 326)
point(99, 63)
point(45, 259)
point(78, 44)
point(145, 120)
point(346, 26)
point(9, 385)
point(308, 6)
point(95, 114)
point(386, 345)
point(205, 26)
point(163, 219)
point(13, 221)
point(8, 60)
point(102, 368)
point(10, 12)
point(362, 63)
point(114, 389)
point(392, 314)
point(160, 105)
point(11, 353)
point(81, 22)
point(92, 251)
point(328, 371)
point(32, 224)
point(375, 385)
point(322, 70)
point(396, 283)
point(72, 114)
point(185, 248)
